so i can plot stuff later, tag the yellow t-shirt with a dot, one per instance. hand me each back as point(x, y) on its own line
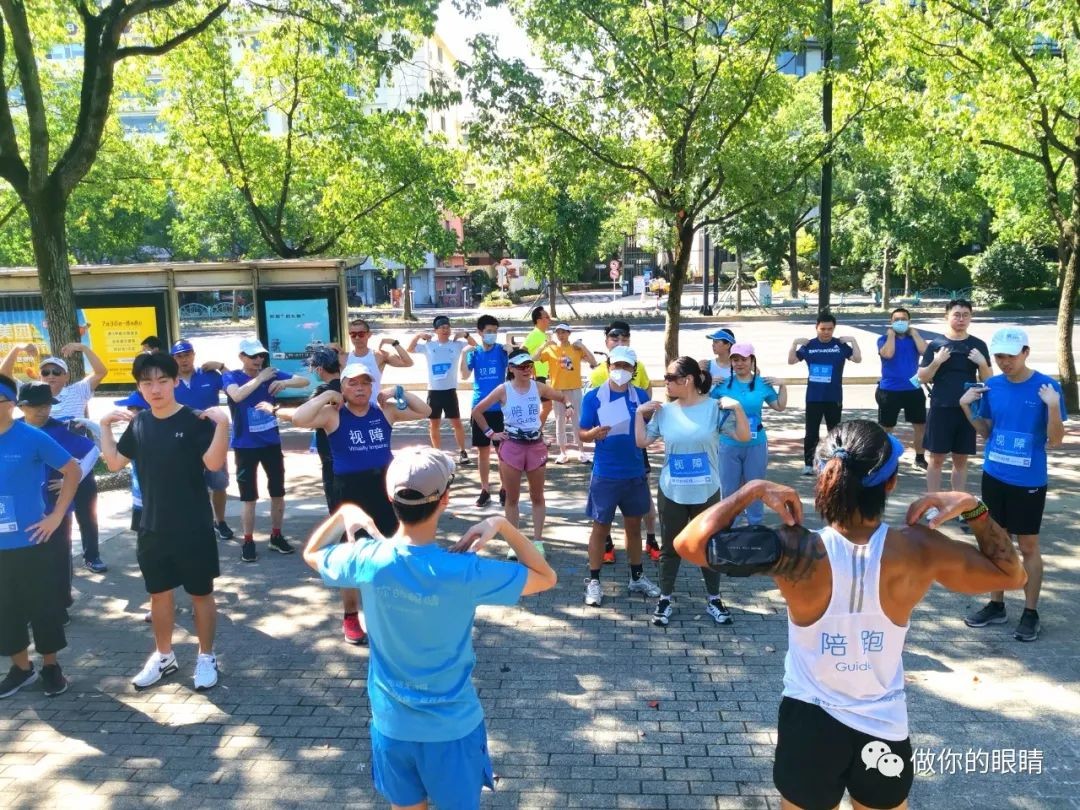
point(564, 366)
point(600, 376)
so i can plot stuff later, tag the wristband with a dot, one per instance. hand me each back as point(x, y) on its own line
point(976, 513)
point(395, 343)
point(489, 433)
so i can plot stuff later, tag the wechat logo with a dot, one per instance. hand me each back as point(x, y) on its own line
point(878, 755)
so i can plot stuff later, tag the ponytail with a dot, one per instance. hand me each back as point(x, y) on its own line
point(846, 459)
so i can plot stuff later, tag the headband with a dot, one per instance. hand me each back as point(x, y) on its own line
point(8, 392)
point(887, 470)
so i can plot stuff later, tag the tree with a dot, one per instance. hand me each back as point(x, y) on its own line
point(1004, 77)
point(668, 98)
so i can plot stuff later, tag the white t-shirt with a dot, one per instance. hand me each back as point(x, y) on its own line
point(73, 399)
point(369, 362)
point(443, 363)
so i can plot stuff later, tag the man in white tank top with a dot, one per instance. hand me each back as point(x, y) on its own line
point(375, 360)
point(850, 589)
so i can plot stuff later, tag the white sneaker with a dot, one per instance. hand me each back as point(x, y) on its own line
point(662, 613)
point(720, 613)
point(561, 458)
point(644, 586)
point(586, 458)
point(206, 672)
point(594, 594)
point(157, 667)
point(807, 470)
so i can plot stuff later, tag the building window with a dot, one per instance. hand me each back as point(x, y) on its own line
point(793, 63)
point(440, 56)
point(442, 122)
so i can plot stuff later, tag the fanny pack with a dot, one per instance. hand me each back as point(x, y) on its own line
point(519, 435)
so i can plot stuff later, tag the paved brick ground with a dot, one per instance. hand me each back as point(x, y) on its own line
point(590, 708)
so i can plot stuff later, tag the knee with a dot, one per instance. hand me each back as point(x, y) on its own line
point(1029, 545)
point(537, 498)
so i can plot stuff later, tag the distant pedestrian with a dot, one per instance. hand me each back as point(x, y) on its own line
point(563, 359)
point(390, 352)
point(443, 348)
point(900, 349)
point(488, 362)
point(719, 365)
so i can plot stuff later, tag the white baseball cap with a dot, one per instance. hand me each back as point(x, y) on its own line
point(563, 327)
point(622, 354)
point(252, 347)
point(1010, 340)
point(54, 361)
point(356, 370)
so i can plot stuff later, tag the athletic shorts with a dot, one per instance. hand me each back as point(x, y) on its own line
point(524, 456)
point(444, 403)
point(136, 519)
point(367, 489)
point(889, 403)
point(630, 496)
point(248, 460)
point(217, 480)
point(542, 380)
point(949, 431)
point(818, 757)
point(449, 774)
point(27, 596)
point(1018, 510)
point(495, 422)
point(187, 560)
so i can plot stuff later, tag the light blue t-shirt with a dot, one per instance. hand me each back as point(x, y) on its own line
point(617, 456)
point(1015, 453)
point(25, 452)
point(752, 401)
point(691, 437)
point(419, 603)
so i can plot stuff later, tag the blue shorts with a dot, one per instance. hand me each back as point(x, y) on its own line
point(630, 496)
point(218, 480)
point(450, 774)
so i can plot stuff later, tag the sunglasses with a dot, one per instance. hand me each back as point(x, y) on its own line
point(52, 372)
point(618, 333)
point(523, 365)
point(359, 334)
point(674, 377)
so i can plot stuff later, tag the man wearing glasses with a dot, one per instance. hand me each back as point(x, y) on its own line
point(374, 360)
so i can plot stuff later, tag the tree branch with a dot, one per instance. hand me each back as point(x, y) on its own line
point(172, 42)
point(23, 45)
point(12, 167)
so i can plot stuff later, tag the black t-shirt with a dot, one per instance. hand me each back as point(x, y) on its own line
point(322, 444)
point(168, 454)
point(948, 382)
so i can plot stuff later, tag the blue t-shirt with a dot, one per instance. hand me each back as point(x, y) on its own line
point(752, 401)
point(1015, 453)
point(25, 452)
point(250, 426)
point(826, 364)
point(691, 435)
point(897, 371)
point(489, 372)
point(618, 455)
point(76, 445)
point(419, 603)
point(202, 392)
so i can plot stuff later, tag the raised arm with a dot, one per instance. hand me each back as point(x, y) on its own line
point(888, 348)
point(113, 458)
point(416, 339)
point(295, 381)
point(416, 408)
point(792, 355)
point(318, 412)
point(463, 364)
point(238, 393)
point(920, 341)
point(982, 426)
point(398, 358)
point(856, 352)
point(97, 368)
point(218, 452)
point(7, 368)
point(926, 373)
point(742, 424)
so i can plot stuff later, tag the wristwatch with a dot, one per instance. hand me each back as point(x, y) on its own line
point(395, 343)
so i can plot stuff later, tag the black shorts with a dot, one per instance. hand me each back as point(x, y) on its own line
point(28, 595)
point(949, 431)
point(889, 403)
point(1018, 510)
point(542, 380)
point(444, 403)
point(136, 518)
point(367, 490)
point(248, 460)
point(818, 757)
point(495, 422)
point(187, 560)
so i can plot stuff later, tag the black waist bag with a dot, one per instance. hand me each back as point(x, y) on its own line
point(743, 551)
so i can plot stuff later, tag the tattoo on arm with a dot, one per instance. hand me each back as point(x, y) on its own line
point(801, 549)
point(995, 543)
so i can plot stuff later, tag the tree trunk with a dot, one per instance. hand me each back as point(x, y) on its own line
point(48, 233)
point(406, 297)
point(793, 262)
point(676, 283)
point(886, 273)
point(235, 309)
point(738, 280)
point(551, 295)
point(1066, 310)
point(907, 278)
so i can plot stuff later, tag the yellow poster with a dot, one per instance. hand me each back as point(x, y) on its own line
point(115, 336)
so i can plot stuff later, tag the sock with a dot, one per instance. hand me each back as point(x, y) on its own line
point(275, 532)
point(1033, 611)
point(608, 545)
point(353, 613)
point(1002, 603)
point(650, 538)
point(594, 573)
point(635, 572)
point(248, 537)
point(665, 597)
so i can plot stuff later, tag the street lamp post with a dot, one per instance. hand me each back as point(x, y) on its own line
point(825, 207)
point(705, 308)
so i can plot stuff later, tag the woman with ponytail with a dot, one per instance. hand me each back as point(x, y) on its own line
point(744, 461)
point(690, 425)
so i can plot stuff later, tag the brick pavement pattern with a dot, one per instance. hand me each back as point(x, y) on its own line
point(586, 707)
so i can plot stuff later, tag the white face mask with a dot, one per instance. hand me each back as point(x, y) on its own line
point(489, 338)
point(620, 376)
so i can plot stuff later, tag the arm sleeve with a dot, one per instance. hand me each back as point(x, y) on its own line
point(283, 375)
point(1061, 401)
point(652, 429)
point(496, 582)
point(50, 451)
point(470, 360)
point(881, 342)
point(928, 354)
point(342, 565)
point(127, 445)
point(218, 380)
point(771, 396)
point(982, 407)
point(801, 352)
point(204, 435)
point(847, 351)
point(590, 405)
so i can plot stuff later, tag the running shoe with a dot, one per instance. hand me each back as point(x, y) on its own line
point(720, 614)
point(157, 667)
point(149, 617)
point(223, 531)
point(662, 613)
point(502, 497)
point(561, 458)
point(96, 566)
point(594, 594)
point(609, 551)
point(653, 550)
point(206, 672)
point(807, 470)
point(463, 457)
point(920, 462)
point(511, 555)
point(1028, 627)
point(644, 586)
point(16, 679)
point(279, 544)
point(990, 613)
point(484, 499)
point(351, 629)
point(247, 551)
point(53, 680)
point(586, 458)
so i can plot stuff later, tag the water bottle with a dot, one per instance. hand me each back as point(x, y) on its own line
point(399, 398)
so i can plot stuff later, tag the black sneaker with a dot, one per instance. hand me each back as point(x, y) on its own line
point(463, 457)
point(223, 531)
point(484, 499)
point(662, 613)
point(16, 679)
point(991, 613)
point(53, 680)
point(502, 497)
point(280, 544)
point(247, 551)
point(920, 462)
point(1028, 627)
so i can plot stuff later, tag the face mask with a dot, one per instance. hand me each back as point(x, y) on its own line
point(620, 376)
point(900, 327)
point(490, 338)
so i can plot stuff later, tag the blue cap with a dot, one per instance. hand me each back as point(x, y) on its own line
point(721, 334)
point(134, 400)
point(181, 346)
